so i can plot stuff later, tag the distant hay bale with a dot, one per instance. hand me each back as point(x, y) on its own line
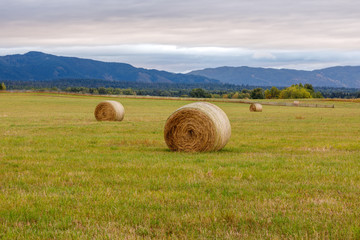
point(197, 127)
point(296, 103)
point(255, 107)
point(109, 111)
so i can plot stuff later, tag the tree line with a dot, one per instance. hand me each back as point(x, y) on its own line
point(198, 90)
point(292, 92)
point(295, 91)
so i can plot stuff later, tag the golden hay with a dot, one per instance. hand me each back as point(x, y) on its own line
point(109, 111)
point(197, 127)
point(255, 107)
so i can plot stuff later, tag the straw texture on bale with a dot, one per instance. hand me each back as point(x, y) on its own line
point(109, 111)
point(197, 127)
point(255, 107)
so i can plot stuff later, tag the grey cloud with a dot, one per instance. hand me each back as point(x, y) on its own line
point(276, 32)
point(201, 9)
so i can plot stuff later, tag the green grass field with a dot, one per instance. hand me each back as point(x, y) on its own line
point(286, 173)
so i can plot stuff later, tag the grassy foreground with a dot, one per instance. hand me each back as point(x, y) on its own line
point(286, 173)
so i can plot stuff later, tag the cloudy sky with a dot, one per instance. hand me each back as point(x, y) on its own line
point(184, 35)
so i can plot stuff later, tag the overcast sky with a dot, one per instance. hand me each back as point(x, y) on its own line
point(185, 35)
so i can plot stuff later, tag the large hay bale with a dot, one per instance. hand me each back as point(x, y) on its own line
point(197, 127)
point(109, 111)
point(255, 107)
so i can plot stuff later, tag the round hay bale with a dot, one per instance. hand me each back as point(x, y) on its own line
point(109, 111)
point(197, 127)
point(255, 107)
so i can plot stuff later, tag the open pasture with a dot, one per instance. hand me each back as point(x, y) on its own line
point(287, 172)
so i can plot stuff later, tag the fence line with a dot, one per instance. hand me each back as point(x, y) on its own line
point(298, 104)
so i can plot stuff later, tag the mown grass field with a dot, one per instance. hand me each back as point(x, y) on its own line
point(286, 173)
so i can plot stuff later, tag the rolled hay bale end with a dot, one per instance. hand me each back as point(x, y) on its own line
point(109, 111)
point(197, 127)
point(255, 107)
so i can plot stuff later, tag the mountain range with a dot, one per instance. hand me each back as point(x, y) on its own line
point(38, 66)
point(340, 76)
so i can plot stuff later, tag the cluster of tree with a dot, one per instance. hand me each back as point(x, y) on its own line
point(199, 90)
point(256, 93)
point(199, 93)
point(96, 83)
point(100, 90)
point(133, 88)
point(2, 87)
point(340, 92)
point(294, 91)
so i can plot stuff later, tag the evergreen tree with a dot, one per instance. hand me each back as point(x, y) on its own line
point(309, 87)
point(257, 93)
point(2, 86)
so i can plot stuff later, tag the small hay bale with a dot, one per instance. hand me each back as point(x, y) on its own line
point(109, 111)
point(197, 127)
point(255, 107)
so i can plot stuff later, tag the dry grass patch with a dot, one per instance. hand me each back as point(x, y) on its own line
point(317, 149)
point(137, 142)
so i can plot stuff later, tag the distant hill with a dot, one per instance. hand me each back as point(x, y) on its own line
point(38, 66)
point(347, 76)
